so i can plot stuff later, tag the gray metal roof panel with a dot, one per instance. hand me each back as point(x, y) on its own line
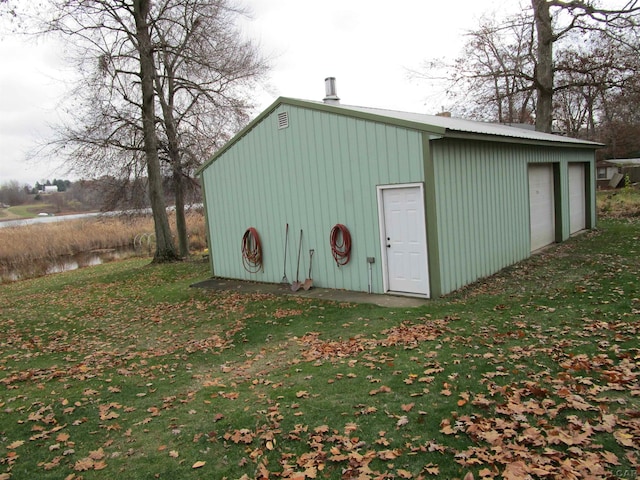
point(625, 162)
point(431, 123)
point(470, 126)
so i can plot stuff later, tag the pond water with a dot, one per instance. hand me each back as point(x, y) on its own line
point(65, 264)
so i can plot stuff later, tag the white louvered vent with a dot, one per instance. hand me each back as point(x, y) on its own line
point(283, 120)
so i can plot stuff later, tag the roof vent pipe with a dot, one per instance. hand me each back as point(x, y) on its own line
point(331, 95)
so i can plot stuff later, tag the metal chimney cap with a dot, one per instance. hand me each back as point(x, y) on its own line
point(331, 94)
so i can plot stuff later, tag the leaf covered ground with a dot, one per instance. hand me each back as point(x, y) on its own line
point(124, 371)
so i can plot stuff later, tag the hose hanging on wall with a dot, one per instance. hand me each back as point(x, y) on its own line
point(340, 240)
point(251, 251)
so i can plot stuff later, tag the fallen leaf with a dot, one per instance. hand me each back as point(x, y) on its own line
point(432, 469)
point(83, 465)
point(199, 464)
point(624, 438)
point(97, 454)
point(486, 473)
point(387, 454)
point(407, 407)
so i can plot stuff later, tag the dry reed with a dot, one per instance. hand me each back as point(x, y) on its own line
point(623, 203)
point(23, 245)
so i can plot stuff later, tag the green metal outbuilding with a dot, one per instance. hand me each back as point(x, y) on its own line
point(429, 203)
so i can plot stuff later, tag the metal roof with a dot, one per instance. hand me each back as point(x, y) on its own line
point(625, 162)
point(436, 126)
point(459, 125)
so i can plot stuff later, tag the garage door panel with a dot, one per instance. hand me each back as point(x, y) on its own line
point(577, 198)
point(541, 205)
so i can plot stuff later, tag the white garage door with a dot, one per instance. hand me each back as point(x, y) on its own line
point(541, 205)
point(577, 198)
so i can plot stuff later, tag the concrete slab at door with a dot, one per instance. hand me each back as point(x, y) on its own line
point(541, 205)
point(404, 242)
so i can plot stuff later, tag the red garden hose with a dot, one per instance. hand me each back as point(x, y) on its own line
point(251, 251)
point(340, 240)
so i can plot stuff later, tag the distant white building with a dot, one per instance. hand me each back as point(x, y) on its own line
point(50, 189)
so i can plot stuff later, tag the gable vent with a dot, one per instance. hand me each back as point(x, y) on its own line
point(283, 120)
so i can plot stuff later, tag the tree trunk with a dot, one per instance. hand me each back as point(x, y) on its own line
point(173, 147)
point(165, 250)
point(181, 222)
point(544, 65)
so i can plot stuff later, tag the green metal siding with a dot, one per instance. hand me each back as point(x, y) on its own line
point(324, 168)
point(321, 170)
point(482, 206)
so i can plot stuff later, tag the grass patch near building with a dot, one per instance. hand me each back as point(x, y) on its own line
point(621, 203)
point(125, 371)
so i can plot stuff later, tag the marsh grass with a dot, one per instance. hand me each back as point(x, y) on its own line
point(621, 203)
point(22, 247)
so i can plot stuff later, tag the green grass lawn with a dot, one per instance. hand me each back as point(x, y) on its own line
point(30, 210)
point(122, 371)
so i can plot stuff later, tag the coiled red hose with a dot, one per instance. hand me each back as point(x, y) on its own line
point(251, 251)
point(340, 240)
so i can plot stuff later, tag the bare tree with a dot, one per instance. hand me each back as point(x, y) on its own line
point(124, 26)
point(204, 69)
point(13, 193)
point(8, 8)
point(586, 75)
point(165, 249)
point(568, 17)
point(160, 89)
point(492, 77)
point(619, 109)
point(499, 63)
point(554, 60)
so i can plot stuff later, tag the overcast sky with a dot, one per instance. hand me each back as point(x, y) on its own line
point(368, 45)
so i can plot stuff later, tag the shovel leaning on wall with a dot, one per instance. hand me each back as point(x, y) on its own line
point(308, 283)
point(295, 286)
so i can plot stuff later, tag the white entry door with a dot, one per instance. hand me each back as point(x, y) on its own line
point(404, 240)
point(541, 205)
point(577, 198)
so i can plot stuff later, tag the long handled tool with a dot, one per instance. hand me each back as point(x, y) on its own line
point(295, 286)
point(286, 241)
point(308, 283)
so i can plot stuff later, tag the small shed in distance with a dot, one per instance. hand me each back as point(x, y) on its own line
point(619, 171)
point(431, 203)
